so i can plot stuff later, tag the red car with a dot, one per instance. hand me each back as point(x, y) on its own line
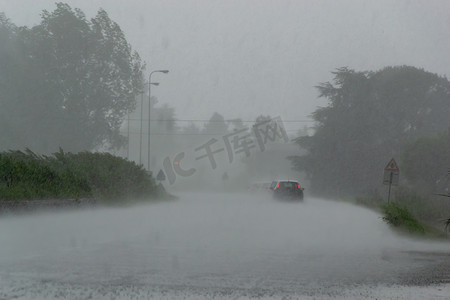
point(287, 190)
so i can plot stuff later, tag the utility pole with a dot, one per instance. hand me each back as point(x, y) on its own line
point(150, 83)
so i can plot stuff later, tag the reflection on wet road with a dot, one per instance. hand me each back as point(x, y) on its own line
point(223, 246)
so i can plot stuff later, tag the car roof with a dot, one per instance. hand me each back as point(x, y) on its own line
point(287, 180)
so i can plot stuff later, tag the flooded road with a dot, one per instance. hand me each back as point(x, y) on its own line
point(218, 246)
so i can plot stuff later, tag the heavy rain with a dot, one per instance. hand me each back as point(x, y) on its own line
point(224, 149)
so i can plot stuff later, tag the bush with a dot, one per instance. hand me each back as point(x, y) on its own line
point(26, 176)
point(400, 217)
point(110, 177)
point(427, 208)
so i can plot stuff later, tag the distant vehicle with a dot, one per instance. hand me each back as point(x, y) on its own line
point(287, 190)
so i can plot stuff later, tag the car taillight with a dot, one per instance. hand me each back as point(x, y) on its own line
point(299, 187)
point(278, 185)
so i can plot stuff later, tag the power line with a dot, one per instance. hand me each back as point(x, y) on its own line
point(185, 133)
point(212, 121)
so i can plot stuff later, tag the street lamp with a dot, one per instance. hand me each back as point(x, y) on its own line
point(140, 132)
point(150, 83)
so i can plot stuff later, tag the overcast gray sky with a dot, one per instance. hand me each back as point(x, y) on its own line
point(246, 58)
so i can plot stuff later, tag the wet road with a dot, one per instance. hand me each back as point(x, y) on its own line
point(218, 246)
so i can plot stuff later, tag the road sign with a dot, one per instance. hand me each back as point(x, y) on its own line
point(161, 176)
point(391, 175)
point(392, 166)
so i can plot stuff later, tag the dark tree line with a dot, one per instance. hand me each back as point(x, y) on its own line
point(67, 82)
point(426, 163)
point(370, 118)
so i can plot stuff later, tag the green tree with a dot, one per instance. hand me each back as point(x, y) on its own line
point(11, 64)
point(369, 117)
point(165, 119)
point(77, 81)
point(425, 162)
point(216, 125)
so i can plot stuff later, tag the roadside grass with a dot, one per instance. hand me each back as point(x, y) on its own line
point(411, 213)
point(400, 217)
point(107, 178)
point(110, 177)
point(25, 176)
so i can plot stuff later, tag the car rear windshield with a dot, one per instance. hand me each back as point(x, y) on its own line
point(288, 184)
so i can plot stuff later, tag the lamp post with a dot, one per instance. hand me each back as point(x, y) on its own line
point(150, 83)
point(140, 132)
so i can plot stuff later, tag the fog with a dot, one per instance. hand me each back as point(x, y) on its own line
point(236, 58)
point(235, 84)
point(216, 244)
point(239, 58)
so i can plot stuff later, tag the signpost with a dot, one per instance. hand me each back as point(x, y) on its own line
point(161, 176)
point(391, 175)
